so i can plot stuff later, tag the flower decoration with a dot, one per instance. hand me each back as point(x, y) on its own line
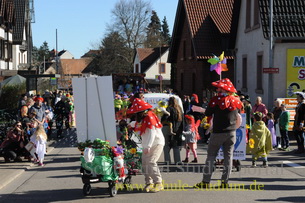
point(218, 63)
point(133, 150)
point(251, 143)
point(120, 149)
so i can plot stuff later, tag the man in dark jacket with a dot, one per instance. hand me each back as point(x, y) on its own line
point(299, 122)
point(224, 109)
point(61, 112)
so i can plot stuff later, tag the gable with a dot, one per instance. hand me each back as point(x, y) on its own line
point(212, 25)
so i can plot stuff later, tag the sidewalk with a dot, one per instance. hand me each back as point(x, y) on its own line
point(10, 171)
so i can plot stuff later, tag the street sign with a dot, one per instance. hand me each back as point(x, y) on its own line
point(271, 70)
point(53, 81)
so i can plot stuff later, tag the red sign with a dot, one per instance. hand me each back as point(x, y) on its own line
point(271, 70)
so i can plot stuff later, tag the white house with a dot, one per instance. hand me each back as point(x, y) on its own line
point(7, 19)
point(252, 49)
point(153, 62)
point(65, 54)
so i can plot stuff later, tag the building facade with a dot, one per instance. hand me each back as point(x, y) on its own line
point(253, 49)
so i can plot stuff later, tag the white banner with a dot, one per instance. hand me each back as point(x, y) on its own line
point(94, 109)
point(240, 144)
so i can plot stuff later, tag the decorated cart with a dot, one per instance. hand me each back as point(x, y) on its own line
point(102, 159)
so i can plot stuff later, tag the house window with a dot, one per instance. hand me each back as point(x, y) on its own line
point(244, 73)
point(137, 68)
point(259, 72)
point(161, 68)
point(2, 49)
point(256, 13)
point(182, 81)
point(248, 14)
point(194, 82)
point(9, 50)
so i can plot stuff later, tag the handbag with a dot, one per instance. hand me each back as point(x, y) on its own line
point(30, 147)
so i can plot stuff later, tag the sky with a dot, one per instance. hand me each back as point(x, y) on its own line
point(81, 25)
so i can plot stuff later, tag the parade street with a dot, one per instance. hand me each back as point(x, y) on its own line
point(60, 181)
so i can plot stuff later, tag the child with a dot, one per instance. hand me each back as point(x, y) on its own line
point(191, 136)
point(260, 142)
point(39, 138)
point(276, 141)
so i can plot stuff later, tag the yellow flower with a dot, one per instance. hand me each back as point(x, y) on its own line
point(247, 126)
point(251, 143)
point(133, 150)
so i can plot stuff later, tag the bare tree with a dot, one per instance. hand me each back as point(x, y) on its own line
point(130, 19)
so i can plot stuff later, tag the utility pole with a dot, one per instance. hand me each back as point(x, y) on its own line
point(56, 54)
point(271, 46)
point(160, 66)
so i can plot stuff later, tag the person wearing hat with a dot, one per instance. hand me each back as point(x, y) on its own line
point(39, 110)
point(149, 127)
point(299, 122)
point(224, 109)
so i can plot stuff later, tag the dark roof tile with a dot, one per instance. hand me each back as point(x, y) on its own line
point(289, 18)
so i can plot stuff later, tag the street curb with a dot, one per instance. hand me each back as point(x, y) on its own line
point(16, 173)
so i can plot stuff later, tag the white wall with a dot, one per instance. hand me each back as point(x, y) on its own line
point(136, 61)
point(154, 69)
point(249, 44)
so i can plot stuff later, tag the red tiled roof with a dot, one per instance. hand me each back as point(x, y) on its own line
point(209, 20)
point(220, 11)
point(148, 56)
point(212, 25)
point(73, 66)
point(144, 53)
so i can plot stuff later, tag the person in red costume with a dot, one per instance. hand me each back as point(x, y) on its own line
point(149, 127)
point(224, 109)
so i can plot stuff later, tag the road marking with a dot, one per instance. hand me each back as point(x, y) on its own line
point(291, 164)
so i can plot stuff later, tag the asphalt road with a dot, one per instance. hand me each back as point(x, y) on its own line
point(60, 181)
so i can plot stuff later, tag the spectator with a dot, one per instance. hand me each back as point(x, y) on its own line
point(39, 110)
point(260, 107)
point(299, 122)
point(283, 125)
point(173, 136)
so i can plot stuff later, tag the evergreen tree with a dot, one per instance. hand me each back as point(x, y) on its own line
point(166, 38)
point(43, 52)
point(153, 34)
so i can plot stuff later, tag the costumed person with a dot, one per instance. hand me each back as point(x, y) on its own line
point(39, 138)
point(191, 137)
point(224, 109)
point(160, 110)
point(260, 141)
point(299, 122)
point(119, 162)
point(276, 141)
point(117, 104)
point(149, 126)
point(283, 125)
